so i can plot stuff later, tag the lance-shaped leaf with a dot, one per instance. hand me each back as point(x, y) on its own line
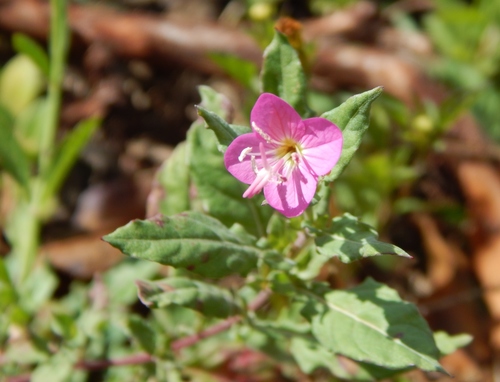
point(68, 152)
point(224, 132)
point(207, 299)
point(188, 240)
point(282, 74)
point(353, 118)
point(12, 156)
point(28, 46)
point(370, 323)
point(349, 240)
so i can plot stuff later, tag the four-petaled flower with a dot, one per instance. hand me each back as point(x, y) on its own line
point(284, 155)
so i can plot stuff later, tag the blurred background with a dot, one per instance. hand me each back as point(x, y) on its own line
point(426, 176)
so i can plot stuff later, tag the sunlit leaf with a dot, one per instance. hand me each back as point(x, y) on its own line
point(188, 240)
point(352, 117)
point(370, 323)
point(282, 74)
point(350, 239)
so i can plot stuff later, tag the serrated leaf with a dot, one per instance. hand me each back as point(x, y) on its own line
point(370, 323)
point(188, 240)
point(349, 240)
point(26, 45)
point(12, 157)
point(67, 154)
point(143, 333)
point(207, 299)
point(447, 344)
point(174, 179)
point(282, 74)
point(352, 117)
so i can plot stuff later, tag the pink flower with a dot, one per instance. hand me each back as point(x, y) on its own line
point(284, 155)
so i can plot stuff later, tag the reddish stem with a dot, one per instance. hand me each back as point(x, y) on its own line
point(141, 358)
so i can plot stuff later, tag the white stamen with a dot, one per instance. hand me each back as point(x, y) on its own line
point(254, 165)
point(244, 153)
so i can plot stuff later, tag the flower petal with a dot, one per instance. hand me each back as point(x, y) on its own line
point(321, 145)
point(292, 197)
point(276, 118)
point(242, 170)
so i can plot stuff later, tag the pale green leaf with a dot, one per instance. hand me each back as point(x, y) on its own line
point(310, 356)
point(447, 344)
point(21, 81)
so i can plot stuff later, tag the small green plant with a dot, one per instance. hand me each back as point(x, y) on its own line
point(276, 245)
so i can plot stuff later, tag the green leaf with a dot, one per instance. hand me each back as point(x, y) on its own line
point(143, 333)
point(241, 70)
point(188, 240)
point(174, 179)
point(29, 47)
point(207, 299)
point(282, 74)
point(352, 117)
point(311, 356)
point(7, 291)
point(370, 323)
point(12, 157)
point(67, 154)
point(224, 132)
point(448, 344)
point(64, 325)
point(28, 126)
point(350, 240)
